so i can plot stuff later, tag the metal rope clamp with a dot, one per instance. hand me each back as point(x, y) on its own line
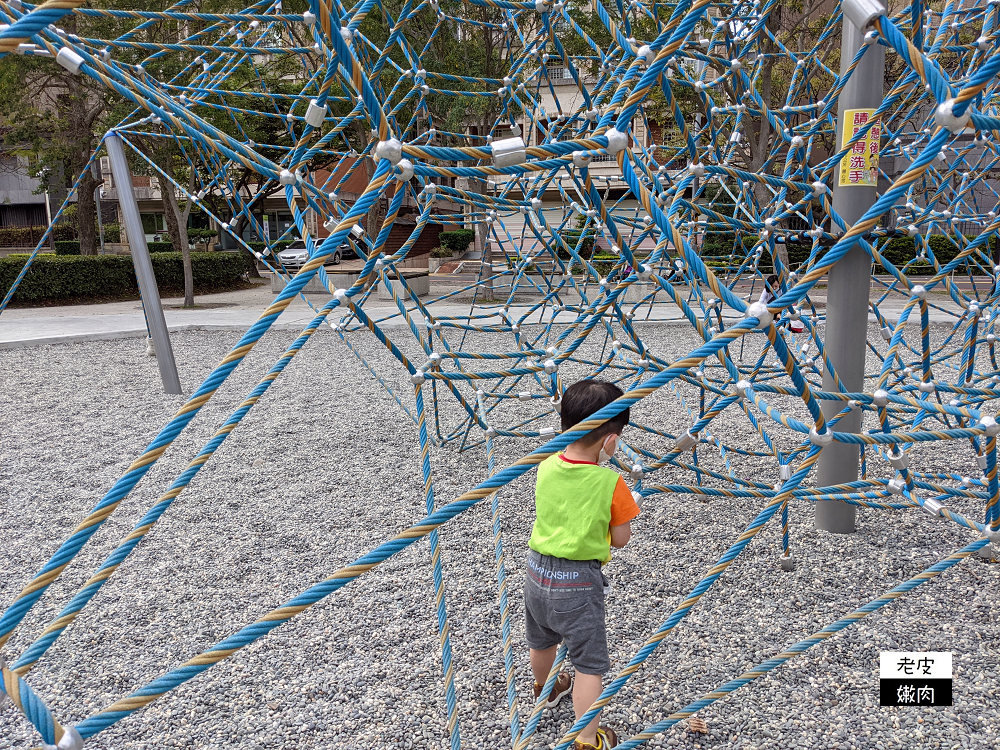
point(932, 506)
point(686, 442)
point(898, 459)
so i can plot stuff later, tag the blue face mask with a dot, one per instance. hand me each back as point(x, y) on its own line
point(605, 455)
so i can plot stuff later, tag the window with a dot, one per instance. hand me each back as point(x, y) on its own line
point(557, 72)
point(153, 223)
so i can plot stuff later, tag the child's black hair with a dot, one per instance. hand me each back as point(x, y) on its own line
point(585, 397)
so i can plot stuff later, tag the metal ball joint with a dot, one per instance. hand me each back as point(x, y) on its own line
point(742, 388)
point(391, 149)
point(946, 118)
point(759, 310)
point(989, 426)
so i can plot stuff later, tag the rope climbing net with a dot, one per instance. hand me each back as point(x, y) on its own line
point(623, 162)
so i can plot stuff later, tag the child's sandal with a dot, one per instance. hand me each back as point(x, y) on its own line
point(606, 738)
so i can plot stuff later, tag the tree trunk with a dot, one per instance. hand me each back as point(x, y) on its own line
point(177, 227)
point(86, 214)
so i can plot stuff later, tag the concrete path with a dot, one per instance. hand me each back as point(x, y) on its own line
point(239, 310)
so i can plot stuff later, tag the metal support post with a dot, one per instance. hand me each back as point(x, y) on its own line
point(143, 265)
point(848, 288)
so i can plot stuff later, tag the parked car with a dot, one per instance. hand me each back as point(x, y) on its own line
point(296, 255)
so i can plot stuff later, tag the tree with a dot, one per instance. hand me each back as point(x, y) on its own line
point(52, 117)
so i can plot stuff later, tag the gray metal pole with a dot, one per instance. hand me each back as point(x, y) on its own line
point(143, 265)
point(848, 288)
point(100, 222)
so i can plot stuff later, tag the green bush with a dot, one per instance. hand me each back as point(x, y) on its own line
point(457, 241)
point(160, 247)
point(67, 247)
point(441, 252)
point(571, 237)
point(112, 232)
point(196, 234)
point(94, 278)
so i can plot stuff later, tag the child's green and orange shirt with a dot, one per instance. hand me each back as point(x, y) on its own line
point(576, 504)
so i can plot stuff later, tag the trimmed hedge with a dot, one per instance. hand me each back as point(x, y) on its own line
point(160, 247)
point(457, 241)
point(99, 278)
point(898, 251)
point(67, 247)
point(29, 236)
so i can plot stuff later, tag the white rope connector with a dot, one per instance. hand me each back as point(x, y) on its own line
point(880, 397)
point(509, 152)
point(581, 159)
point(686, 442)
point(315, 113)
point(71, 740)
point(946, 118)
point(645, 55)
point(69, 59)
point(821, 439)
point(989, 426)
point(405, 167)
point(617, 141)
point(932, 506)
point(286, 177)
point(742, 388)
point(392, 150)
point(862, 13)
point(899, 460)
point(759, 310)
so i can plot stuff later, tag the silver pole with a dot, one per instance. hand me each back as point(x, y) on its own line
point(143, 265)
point(100, 222)
point(848, 288)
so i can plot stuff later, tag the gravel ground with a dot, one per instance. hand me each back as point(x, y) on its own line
point(326, 466)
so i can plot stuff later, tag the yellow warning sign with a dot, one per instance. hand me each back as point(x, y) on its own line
point(860, 165)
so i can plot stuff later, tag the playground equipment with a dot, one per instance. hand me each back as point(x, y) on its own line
point(677, 103)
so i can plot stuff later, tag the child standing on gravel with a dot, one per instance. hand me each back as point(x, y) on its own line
point(581, 510)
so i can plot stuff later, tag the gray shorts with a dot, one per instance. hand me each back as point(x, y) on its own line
point(564, 601)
